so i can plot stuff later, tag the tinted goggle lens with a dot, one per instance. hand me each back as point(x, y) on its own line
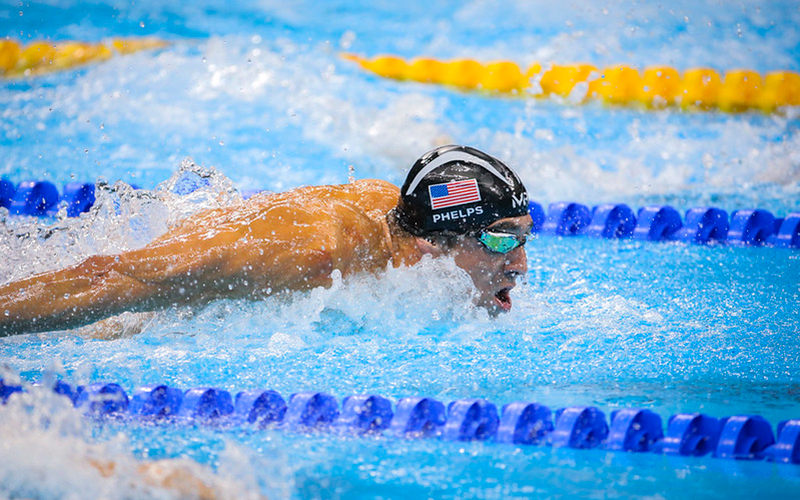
point(501, 242)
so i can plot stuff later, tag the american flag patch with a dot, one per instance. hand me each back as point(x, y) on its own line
point(454, 193)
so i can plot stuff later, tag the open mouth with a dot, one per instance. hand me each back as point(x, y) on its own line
point(503, 299)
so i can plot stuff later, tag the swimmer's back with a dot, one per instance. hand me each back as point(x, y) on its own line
point(372, 196)
point(274, 240)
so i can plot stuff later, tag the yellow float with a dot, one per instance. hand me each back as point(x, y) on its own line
point(653, 87)
point(41, 57)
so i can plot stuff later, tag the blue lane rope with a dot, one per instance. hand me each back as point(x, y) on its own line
point(741, 437)
point(701, 226)
point(41, 198)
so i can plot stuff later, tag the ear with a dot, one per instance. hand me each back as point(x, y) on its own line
point(426, 247)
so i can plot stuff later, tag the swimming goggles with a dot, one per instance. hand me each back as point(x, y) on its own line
point(500, 242)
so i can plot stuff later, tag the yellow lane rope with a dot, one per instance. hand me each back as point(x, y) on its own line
point(655, 87)
point(41, 57)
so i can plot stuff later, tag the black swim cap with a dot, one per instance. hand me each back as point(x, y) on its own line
point(458, 189)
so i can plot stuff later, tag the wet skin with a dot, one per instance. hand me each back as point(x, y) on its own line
point(494, 274)
point(269, 244)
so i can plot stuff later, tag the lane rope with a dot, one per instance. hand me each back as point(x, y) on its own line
point(37, 58)
point(740, 437)
point(696, 89)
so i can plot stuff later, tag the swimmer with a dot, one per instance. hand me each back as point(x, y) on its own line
point(456, 201)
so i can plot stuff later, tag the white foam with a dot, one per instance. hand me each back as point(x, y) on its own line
point(122, 218)
point(48, 451)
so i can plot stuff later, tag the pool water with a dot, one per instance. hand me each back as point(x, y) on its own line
point(257, 95)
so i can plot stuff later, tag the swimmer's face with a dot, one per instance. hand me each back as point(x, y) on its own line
point(494, 274)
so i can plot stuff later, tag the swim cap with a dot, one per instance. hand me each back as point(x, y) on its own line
point(458, 189)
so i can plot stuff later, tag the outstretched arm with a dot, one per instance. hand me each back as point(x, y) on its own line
point(182, 477)
point(68, 297)
point(282, 242)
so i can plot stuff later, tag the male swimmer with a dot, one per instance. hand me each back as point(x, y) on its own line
point(456, 201)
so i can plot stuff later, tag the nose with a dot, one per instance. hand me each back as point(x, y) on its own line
point(516, 263)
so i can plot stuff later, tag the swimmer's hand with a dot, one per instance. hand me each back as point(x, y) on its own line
point(179, 476)
point(120, 326)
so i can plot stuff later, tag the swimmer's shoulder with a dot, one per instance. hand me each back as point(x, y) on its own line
point(373, 194)
point(376, 186)
point(369, 195)
point(363, 187)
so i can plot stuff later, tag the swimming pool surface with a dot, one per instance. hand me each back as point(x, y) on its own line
point(257, 95)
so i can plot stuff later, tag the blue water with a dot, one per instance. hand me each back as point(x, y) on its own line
point(259, 92)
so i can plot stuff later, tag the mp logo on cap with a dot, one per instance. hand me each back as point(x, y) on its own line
point(522, 200)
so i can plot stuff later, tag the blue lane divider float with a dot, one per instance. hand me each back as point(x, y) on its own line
point(739, 437)
point(524, 423)
point(101, 399)
point(787, 449)
point(704, 225)
point(418, 417)
point(33, 198)
point(701, 226)
point(691, 435)
point(41, 198)
point(744, 437)
point(156, 401)
point(789, 234)
point(311, 410)
point(579, 427)
point(362, 414)
point(206, 404)
point(634, 430)
point(471, 420)
point(566, 219)
point(6, 390)
point(612, 221)
point(260, 408)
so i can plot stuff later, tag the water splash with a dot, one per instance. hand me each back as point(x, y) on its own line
point(122, 218)
point(52, 450)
